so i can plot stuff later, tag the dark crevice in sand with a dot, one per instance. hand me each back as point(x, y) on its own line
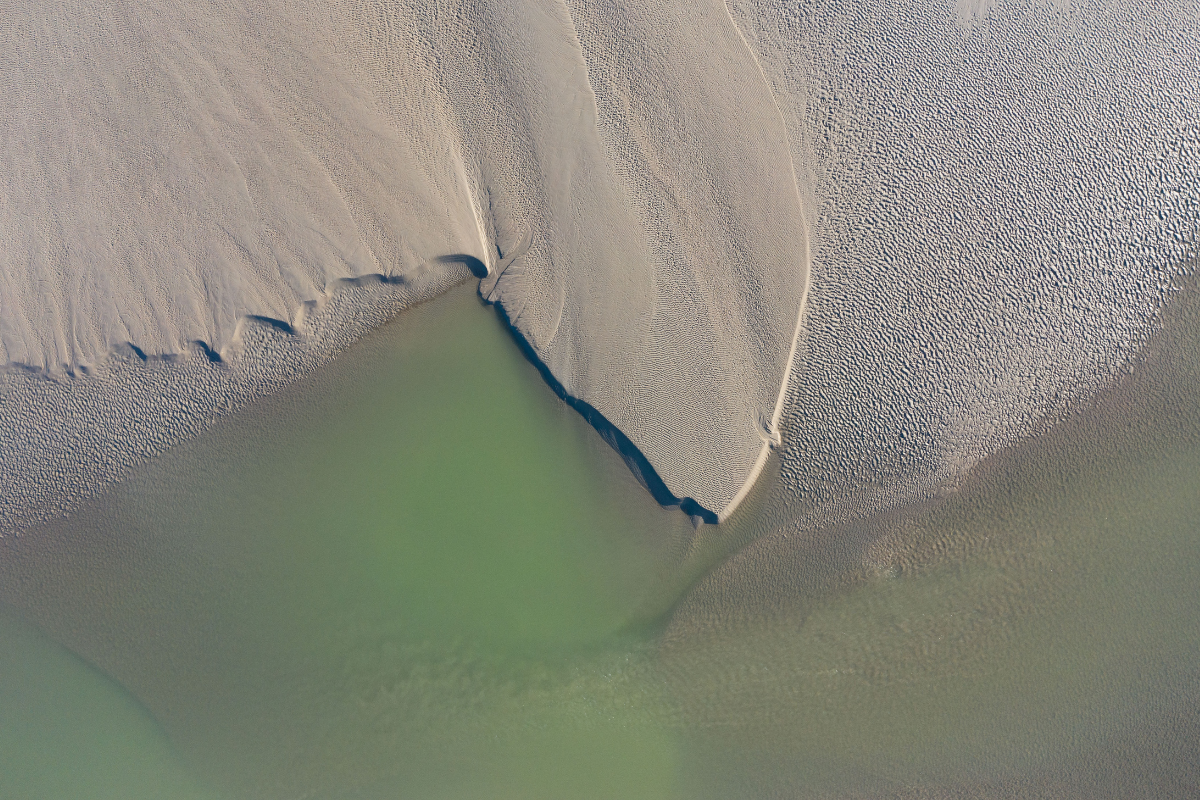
point(637, 462)
point(477, 267)
point(277, 324)
point(212, 355)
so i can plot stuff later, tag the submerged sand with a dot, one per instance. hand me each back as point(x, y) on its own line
point(995, 200)
point(309, 609)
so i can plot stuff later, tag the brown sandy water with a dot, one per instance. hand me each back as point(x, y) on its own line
point(418, 574)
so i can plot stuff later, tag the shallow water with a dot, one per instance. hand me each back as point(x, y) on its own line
point(336, 587)
point(417, 573)
point(68, 730)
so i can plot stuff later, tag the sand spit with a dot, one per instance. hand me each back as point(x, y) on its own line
point(64, 437)
point(624, 176)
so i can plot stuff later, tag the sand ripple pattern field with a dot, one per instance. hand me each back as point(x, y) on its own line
point(1003, 195)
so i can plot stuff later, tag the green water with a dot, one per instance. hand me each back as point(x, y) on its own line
point(418, 574)
point(386, 576)
point(67, 730)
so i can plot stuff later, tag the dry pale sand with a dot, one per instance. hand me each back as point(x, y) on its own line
point(623, 175)
point(999, 195)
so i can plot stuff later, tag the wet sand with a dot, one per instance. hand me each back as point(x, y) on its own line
point(291, 638)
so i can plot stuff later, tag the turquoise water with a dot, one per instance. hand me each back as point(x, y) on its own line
point(418, 574)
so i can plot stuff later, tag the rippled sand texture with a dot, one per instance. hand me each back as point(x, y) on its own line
point(359, 588)
point(1032, 634)
point(624, 175)
point(998, 194)
point(64, 438)
point(1001, 193)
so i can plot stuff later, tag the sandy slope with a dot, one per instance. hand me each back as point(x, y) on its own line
point(172, 168)
point(999, 193)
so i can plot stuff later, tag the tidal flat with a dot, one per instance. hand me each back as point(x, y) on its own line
point(417, 573)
